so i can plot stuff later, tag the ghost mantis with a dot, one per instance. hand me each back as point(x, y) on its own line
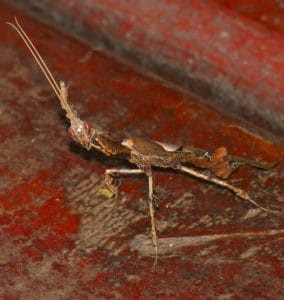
point(146, 153)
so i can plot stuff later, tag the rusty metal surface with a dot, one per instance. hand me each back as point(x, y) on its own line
point(61, 237)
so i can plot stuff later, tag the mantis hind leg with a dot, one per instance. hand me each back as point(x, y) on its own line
point(237, 191)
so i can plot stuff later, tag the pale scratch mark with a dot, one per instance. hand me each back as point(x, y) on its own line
point(170, 244)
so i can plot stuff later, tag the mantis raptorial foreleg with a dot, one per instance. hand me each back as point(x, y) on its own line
point(113, 183)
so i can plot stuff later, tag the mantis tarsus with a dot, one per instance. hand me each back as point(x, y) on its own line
point(146, 153)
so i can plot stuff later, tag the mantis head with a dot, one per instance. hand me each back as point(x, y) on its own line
point(80, 133)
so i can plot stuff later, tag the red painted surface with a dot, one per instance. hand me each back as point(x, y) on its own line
point(61, 237)
point(233, 61)
point(269, 13)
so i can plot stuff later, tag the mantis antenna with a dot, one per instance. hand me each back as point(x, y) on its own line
point(60, 89)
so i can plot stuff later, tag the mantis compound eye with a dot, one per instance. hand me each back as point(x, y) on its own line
point(72, 134)
point(86, 127)
point(80, 132)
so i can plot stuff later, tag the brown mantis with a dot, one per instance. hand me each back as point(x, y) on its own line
point(146, 153)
